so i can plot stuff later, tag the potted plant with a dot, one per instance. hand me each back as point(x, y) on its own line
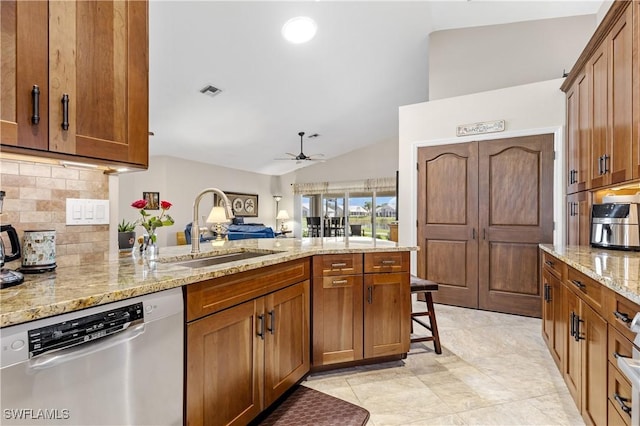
point(126, 235)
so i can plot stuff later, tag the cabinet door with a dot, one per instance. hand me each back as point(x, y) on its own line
point(578, 218)
point(99, 59)
point(553, 322)
point(287, 348)
point(593, 329)
point(578, 135)
point(571, 366)
point(598, 77)
point(225, 370)
point(620, 105)
point(23, 65)
point(337, 319)
point(387, 314)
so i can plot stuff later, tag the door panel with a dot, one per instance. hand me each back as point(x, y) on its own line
point(594, 362)
point(571, 364)
point(597, 69)
point(515, 214)
point(286, 343)
point(448, 221)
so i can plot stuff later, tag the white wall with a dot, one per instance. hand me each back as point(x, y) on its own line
point(472, 60)
point(528, 109)
point(179, 182)
point(379, 160)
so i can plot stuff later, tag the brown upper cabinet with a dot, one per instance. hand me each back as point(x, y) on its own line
point(75, 80)
point(600, 105)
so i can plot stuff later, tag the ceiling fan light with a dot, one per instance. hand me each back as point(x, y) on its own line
point(299, 29)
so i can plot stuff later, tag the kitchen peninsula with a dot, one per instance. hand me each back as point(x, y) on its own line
point(248, 321)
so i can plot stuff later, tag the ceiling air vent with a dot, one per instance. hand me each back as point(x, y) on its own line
point(210, 90)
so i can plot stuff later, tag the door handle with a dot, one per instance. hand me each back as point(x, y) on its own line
point(370, 294)
point(605, 161)
point(473, 233)
point(272, 321)
point(65, 112)
point(35, 99)
point(576, 328)
point(572, 324)
point(484, 233)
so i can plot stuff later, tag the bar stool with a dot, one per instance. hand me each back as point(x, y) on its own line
point(419, 285)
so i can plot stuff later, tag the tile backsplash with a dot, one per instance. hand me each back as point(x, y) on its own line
point(35, 199)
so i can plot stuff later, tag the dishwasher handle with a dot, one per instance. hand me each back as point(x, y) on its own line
point(58, 357)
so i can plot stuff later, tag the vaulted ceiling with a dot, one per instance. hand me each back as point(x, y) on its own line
point(367, 58)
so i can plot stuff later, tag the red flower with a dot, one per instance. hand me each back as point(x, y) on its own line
point(165, 205)
point(139, 204)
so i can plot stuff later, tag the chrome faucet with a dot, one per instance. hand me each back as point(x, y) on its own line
point(195, 226)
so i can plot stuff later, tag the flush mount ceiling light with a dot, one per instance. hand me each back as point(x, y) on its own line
point(299, 29)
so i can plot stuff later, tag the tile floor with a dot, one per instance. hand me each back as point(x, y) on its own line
point(494, 370)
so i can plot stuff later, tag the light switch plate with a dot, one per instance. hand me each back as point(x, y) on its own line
point(84, 211)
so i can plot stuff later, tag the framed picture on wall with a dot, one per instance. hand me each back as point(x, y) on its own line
point(243, 205)
point(152, 199)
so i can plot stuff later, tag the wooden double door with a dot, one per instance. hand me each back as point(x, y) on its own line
point(483, 208)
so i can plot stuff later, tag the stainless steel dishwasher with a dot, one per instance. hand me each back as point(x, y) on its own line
point(115, 364)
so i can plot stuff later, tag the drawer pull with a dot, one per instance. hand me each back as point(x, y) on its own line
point(370, 294)
point(578, 284)
point(621, 401)
point(338, 265)
point(617, 355)
point(549, 263)
point(622, 316)
point(339, 282)
point(388, 262)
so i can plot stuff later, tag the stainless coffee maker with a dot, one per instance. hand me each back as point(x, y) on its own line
point(7, 276)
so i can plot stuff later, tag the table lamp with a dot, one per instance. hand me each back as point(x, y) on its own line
point(282, 215)
point(218, 216)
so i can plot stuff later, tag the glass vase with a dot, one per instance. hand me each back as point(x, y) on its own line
point(149, 248)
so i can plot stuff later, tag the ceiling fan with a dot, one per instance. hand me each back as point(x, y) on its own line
point(302, 156)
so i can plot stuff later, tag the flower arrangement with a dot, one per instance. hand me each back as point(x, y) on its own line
point(149, 222)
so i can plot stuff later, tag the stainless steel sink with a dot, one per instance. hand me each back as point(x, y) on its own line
point(219, 259)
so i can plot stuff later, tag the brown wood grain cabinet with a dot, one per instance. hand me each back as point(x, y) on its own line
point(90, 63)
point(602, 93)
point(243, 355)
point(364, 314)
point(636, 90)
point(554, 322)
point(578, 218)
point(578, 135)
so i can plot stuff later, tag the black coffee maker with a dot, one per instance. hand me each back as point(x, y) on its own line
point(7, 276)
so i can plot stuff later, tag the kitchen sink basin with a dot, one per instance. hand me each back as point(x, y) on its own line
point(219, 259)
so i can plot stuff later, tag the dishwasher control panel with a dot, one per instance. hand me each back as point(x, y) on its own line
point(83, 329)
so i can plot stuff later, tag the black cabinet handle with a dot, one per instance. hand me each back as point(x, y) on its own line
point(272, 320)
point(65, 112)
point(578, 284)
point(605, 161)
point(370, 294)
point(35, 99)
point(621, 401)
point(549, 263)
point(572, 324)
point(261, 328)
point(546, 293)
point(622, 316)
point(473, 233)
point(484, 233)
point(617, 355)
point(576, 328)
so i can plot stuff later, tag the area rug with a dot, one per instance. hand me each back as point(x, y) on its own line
point(306, 406)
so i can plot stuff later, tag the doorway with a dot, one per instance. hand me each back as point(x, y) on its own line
point(483, 208)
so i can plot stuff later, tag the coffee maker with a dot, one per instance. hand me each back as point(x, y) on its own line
point(8, 277)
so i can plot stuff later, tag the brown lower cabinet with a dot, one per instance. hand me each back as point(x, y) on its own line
point(586, 328)
point(361, 314)
point(242, 357)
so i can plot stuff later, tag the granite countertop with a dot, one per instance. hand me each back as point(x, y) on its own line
point(72, 288)
point(616, 269)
